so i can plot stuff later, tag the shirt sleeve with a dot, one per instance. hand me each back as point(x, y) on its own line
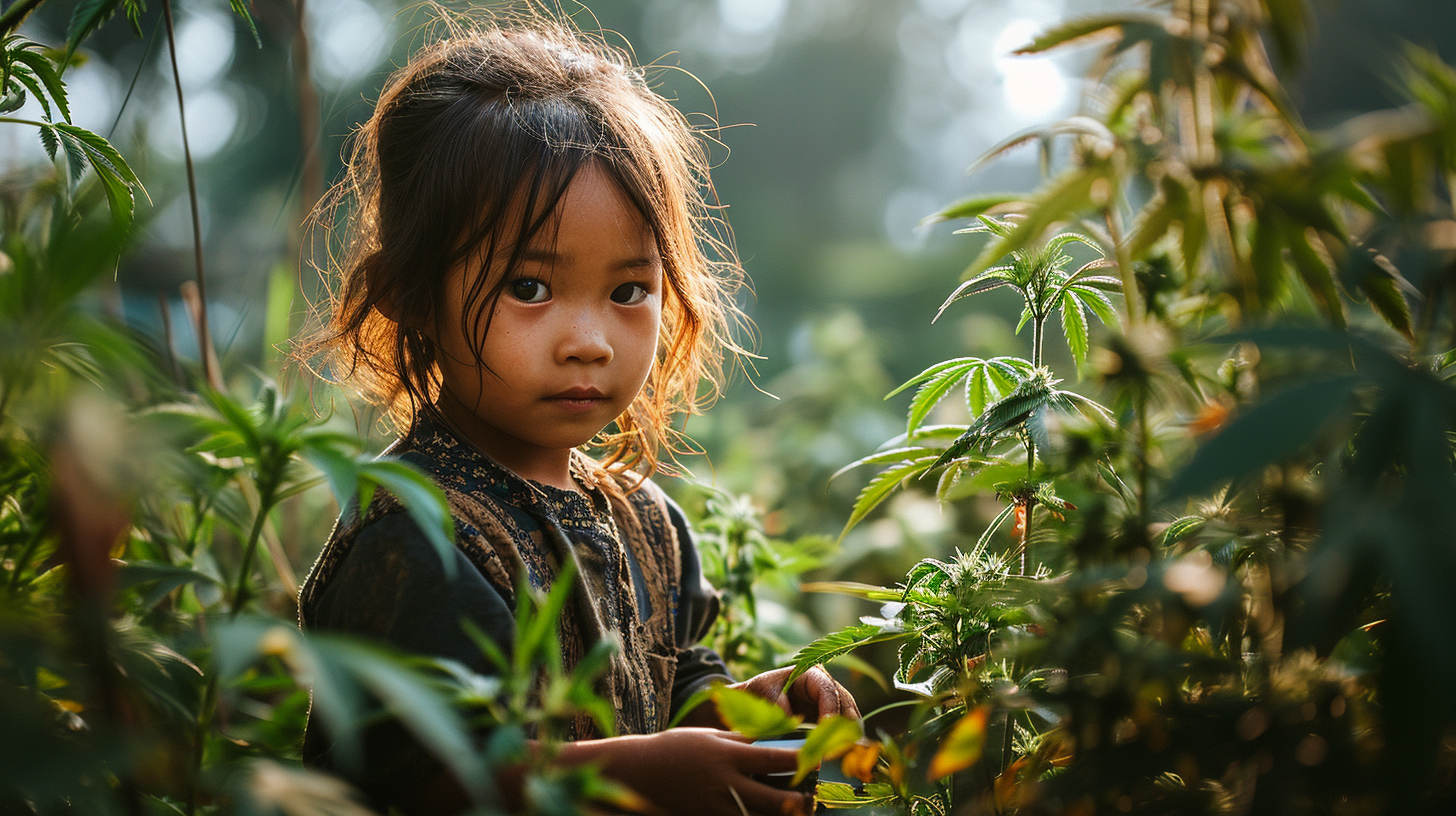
point(697, 608)
point(392, 587)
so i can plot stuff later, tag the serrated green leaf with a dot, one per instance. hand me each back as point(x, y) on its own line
point(977, 391)
point(86, 18)
point(884, 458)
point(84, 147)
point(929, 373)
point(49, 141)
point(1318, 277)
point(1074, 327)
point(420, 709)
point(1097, 303)
point(1091, 26)
point(881, 485)
point(829, 793)
point(933, 391)
point(974, 206)
point(23, 75)
point(1059, 198)
point(1025, 316)
point(1385, 297)
point(834, 644)
point(45, 70)
point(76, 158)
point(985, 282)
point(858, 590)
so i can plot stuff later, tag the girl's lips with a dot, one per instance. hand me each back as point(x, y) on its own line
point(579, 393)
point(578, 399)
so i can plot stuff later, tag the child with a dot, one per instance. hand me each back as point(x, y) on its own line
point(527, 264)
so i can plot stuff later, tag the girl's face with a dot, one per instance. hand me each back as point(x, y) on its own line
point(573, 337)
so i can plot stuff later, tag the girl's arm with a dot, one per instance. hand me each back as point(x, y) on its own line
point(699, 771)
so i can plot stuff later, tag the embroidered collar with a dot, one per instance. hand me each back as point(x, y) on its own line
point(455, 462)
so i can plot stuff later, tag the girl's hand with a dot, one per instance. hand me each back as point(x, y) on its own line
point(684, 771)
point(814, 695)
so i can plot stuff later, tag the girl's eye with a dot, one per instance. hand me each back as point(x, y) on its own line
point(530, 290)
point(629, 293)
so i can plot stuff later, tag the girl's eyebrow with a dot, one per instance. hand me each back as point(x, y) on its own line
point(551, 256)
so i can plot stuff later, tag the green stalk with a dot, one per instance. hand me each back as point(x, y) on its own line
point(204, 725)
point(1130, 297)
point(265, 504)
point(16, 14)
point(1142, 422)
point(1038, 334)
point(204, 336)
point(1038, 331)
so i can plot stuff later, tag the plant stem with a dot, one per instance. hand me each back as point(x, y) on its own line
point(265, 504)
point(1038, 331)
point(1030, 504)
point(204, 725)
point(1142, 423)
point(16, 14)
point(1130, 296)
point(204, 339)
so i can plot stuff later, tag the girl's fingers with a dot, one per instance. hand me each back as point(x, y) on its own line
point(823, 691)
point(754, 759)
point(758, 798)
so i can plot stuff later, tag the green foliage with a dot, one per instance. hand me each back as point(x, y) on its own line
point(1281, 395)
point(830, 738)
point(744, 564)
point(29, 66)
point(89, 15)
point(1044, 284)
point(1239, 554)
point(150, 538)
point(751, 715)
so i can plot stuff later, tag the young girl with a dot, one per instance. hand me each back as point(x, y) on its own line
point(526, 266)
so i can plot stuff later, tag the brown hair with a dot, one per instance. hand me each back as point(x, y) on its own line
point(491, 116)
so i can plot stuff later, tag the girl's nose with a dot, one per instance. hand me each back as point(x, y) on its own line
point(585, 340)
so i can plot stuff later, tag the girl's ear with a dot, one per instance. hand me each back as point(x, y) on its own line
point(387, 304)
point(387, 307)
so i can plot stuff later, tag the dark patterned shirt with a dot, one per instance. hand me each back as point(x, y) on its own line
point(638, 581)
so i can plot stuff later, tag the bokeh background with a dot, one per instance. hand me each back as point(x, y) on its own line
point(838, 126)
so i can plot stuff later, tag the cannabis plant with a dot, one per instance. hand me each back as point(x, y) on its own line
point(1244, 612)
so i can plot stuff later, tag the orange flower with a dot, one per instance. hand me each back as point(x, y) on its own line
point(860, 761)
point(1211, 417)
point(1018, 527)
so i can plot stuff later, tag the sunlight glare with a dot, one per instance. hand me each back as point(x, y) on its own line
point(205, 43)
point(1034, 87)
point(752, 16)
